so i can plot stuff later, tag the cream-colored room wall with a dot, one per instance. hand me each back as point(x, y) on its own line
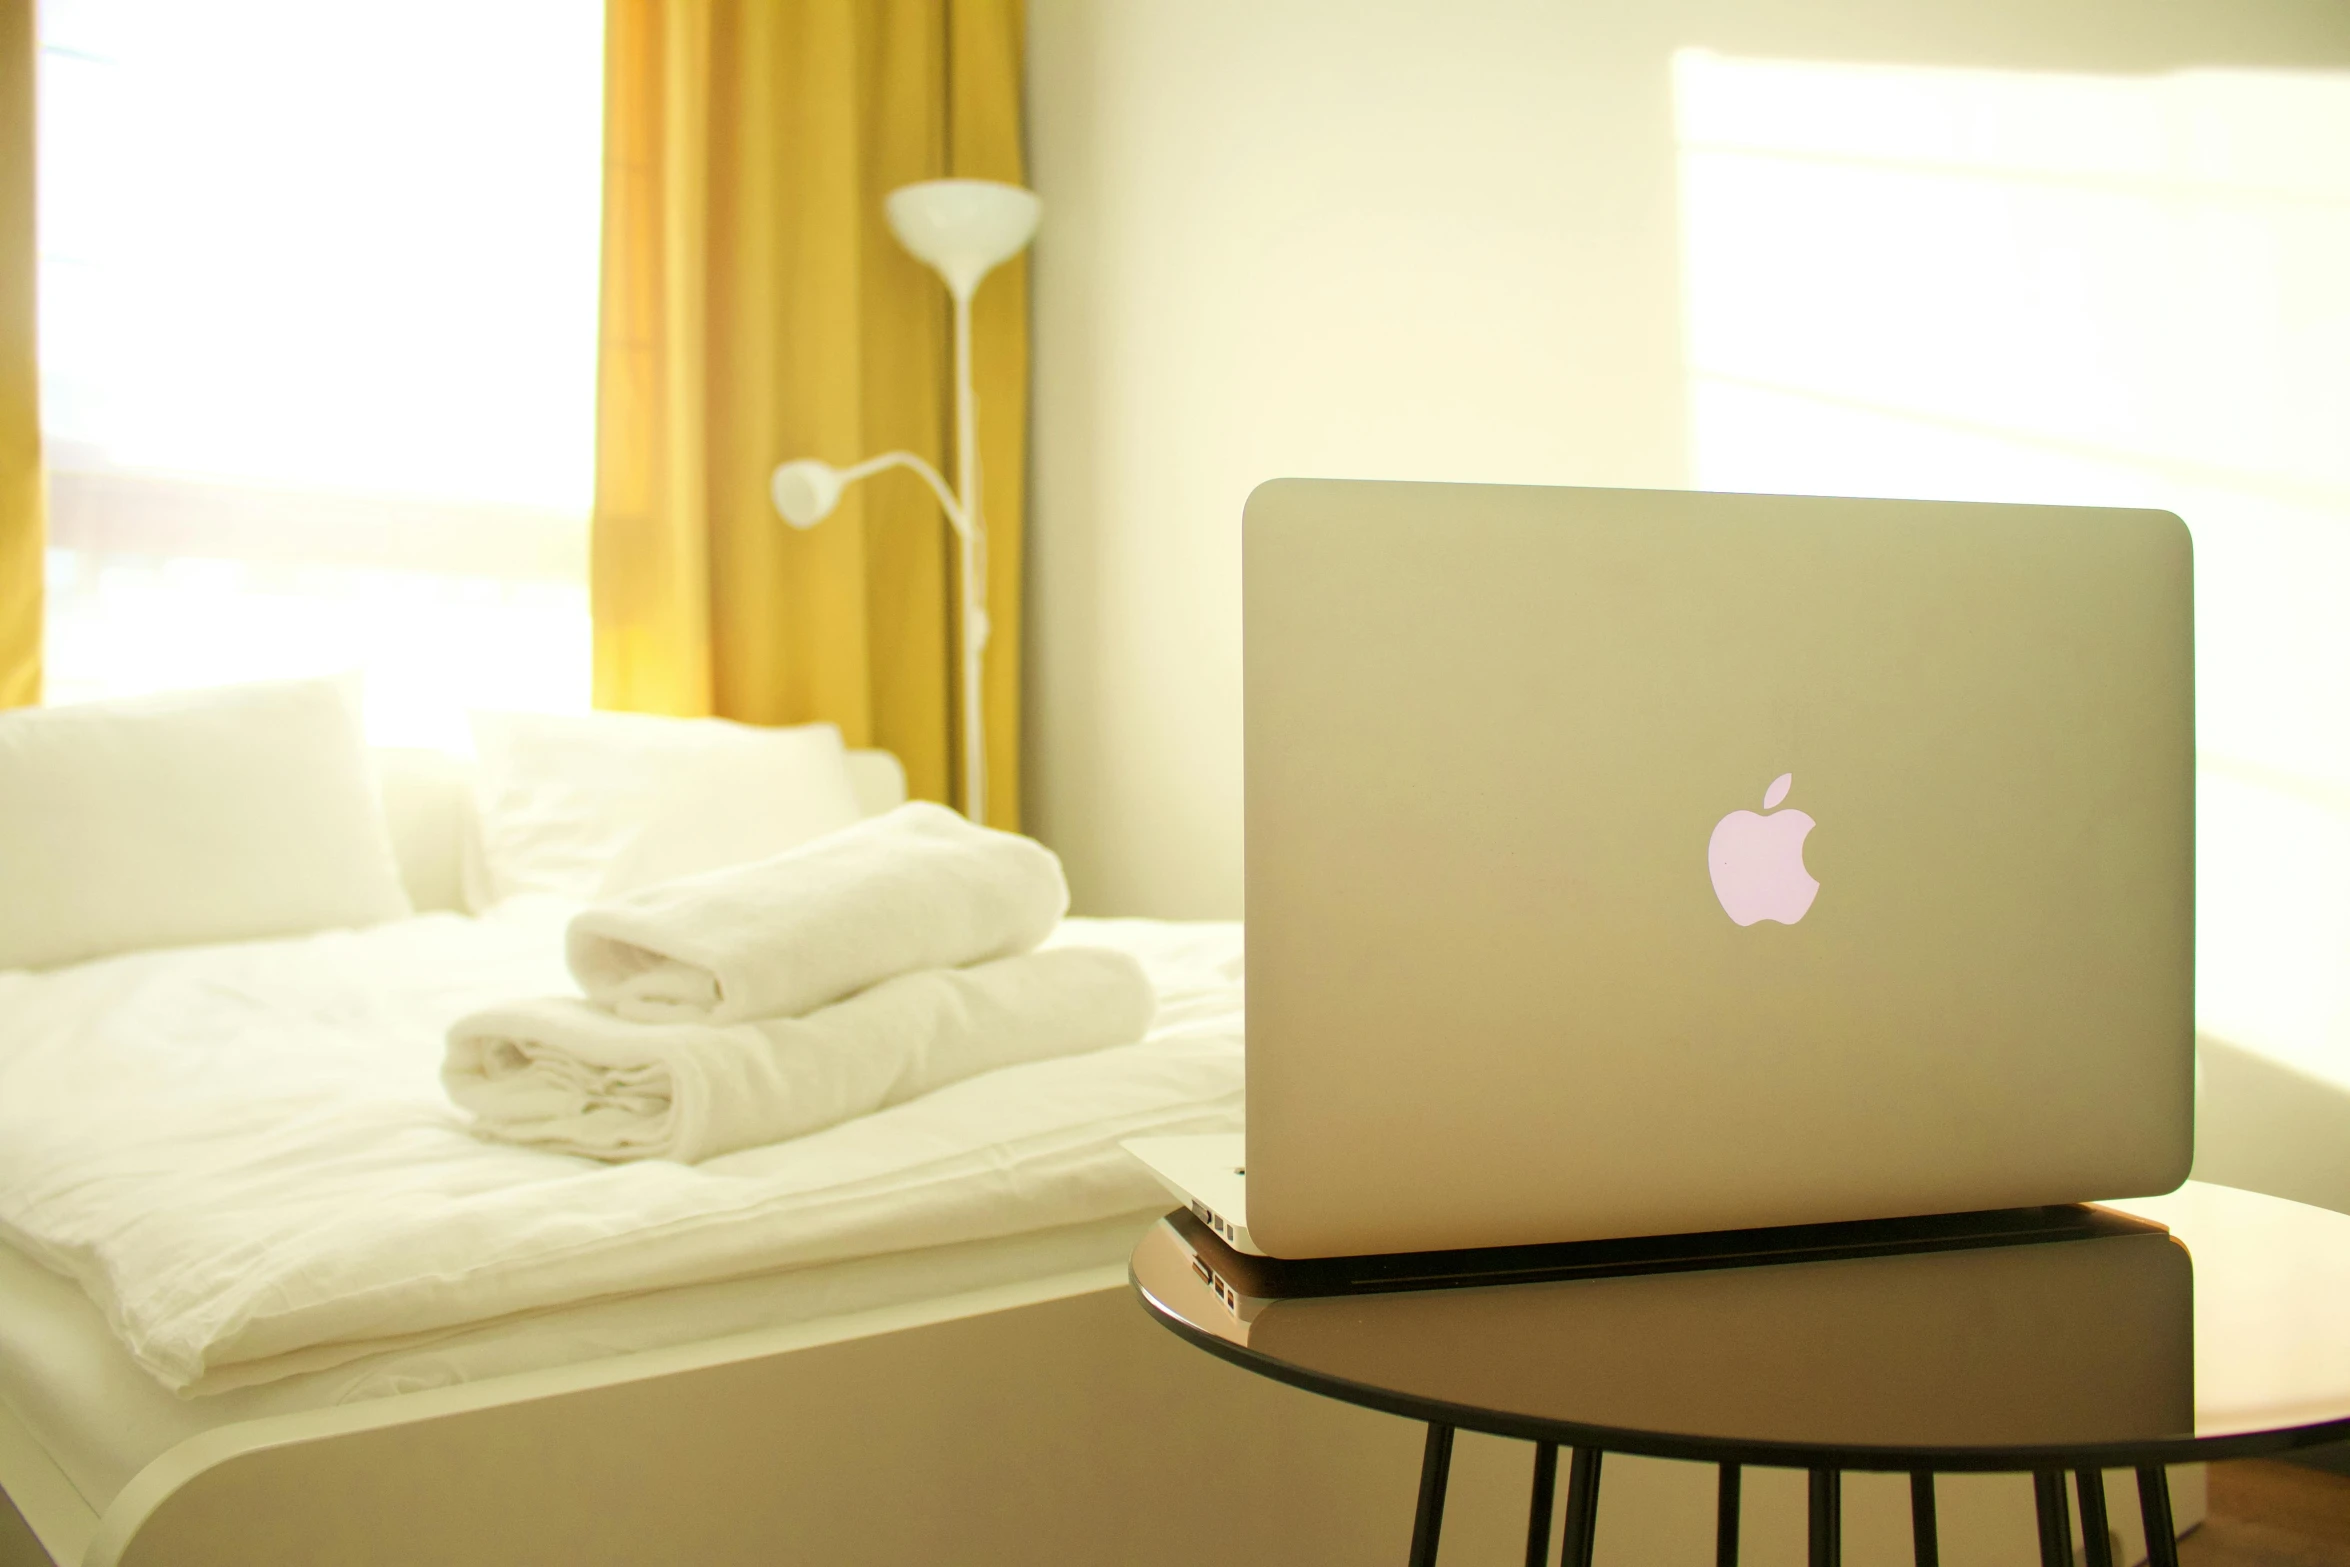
point(1377, 238)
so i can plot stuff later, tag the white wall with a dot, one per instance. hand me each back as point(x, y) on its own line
point(1393, 239)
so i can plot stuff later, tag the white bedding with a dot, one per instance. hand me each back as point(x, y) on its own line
point(244, 1154)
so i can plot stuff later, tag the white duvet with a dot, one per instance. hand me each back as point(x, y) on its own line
point(244, 1154)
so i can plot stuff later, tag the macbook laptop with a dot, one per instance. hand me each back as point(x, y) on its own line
point(1634, 862)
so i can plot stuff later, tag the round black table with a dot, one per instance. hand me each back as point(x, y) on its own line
point(2212, 1323)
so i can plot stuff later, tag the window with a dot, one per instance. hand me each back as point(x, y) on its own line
point(2120, 291)
point(318, 307)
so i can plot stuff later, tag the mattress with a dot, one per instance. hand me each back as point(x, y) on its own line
point(243, 1156)
point(102, 1418)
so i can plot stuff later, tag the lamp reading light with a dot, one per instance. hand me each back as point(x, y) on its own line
point(964, 229)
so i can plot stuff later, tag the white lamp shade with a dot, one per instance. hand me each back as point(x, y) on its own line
point(805, 491)
point(964, 228)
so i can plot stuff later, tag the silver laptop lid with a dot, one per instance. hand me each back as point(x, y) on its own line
point(1540, 786)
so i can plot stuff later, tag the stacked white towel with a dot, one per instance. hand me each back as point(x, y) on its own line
point(765, 1001)
point(916, 888)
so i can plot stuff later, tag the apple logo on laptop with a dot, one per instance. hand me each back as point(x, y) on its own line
point(1757, 861)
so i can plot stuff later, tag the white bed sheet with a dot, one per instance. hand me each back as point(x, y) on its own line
point(102, 1418)
point(244, 1155)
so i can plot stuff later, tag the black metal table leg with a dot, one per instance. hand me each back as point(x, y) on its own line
point(2162, 1536)
point(1435, 1470)
point(1546, 1485)
point(1726, 1517)
point(1582, 1521)
point(1827, 1518)
point(2096, 1535)
point(2056, 1519)
point(1925, 1535)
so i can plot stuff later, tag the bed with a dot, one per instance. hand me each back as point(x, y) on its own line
point(964, 1381)
point(945, 1364)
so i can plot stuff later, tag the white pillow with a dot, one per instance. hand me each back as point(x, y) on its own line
point(585, 804)
point(429, 809)
point(193, 816)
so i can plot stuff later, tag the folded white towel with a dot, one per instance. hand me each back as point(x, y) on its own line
point(916, 888)
point(563, 1074)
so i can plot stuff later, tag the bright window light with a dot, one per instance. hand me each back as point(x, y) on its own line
point(2122, 291)
point(318, 314)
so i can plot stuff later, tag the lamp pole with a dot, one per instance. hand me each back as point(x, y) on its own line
point(972, 536)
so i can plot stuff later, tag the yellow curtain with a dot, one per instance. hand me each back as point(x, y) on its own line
point(757, 308)
point(23, 498)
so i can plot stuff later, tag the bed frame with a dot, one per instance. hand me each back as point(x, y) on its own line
point(1045, 1422)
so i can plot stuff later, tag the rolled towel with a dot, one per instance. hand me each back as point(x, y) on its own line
point(915, 888)
point(563, 1074)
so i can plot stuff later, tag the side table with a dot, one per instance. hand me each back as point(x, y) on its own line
point(2071, 1342)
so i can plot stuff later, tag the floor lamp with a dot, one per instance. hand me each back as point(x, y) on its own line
point(964, 229)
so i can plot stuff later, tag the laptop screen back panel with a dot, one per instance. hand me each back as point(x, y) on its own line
point(1495, 996)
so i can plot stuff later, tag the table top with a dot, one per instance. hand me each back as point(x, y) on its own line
point(2227, 1336)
